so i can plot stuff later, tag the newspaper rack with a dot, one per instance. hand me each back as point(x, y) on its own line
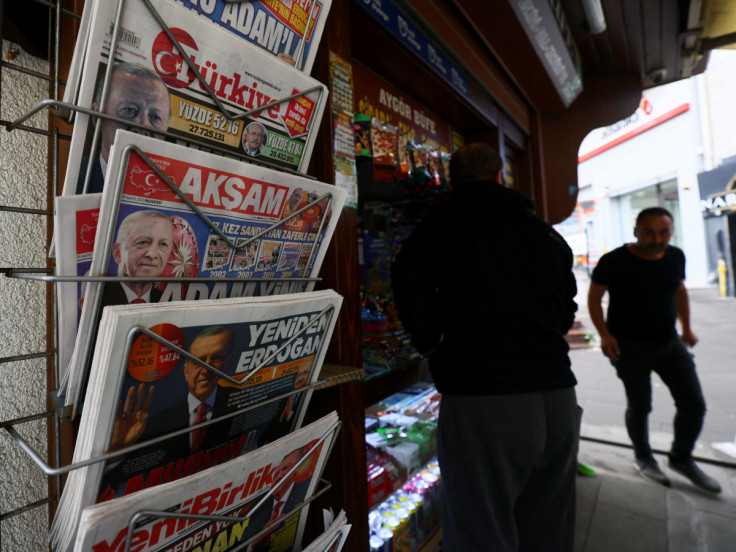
point(201, 517)
point(67, 411)
point(48, 470)
point(51, 103)
point(133, 519)
point(66, 111)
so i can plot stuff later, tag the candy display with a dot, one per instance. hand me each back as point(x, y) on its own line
point(403, 473)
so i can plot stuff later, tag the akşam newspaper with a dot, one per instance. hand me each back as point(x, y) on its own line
point(241, 200)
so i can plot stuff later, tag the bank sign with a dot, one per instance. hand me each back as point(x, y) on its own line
point(657, 106)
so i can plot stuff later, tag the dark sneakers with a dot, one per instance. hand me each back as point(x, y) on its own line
point(689, 469)
point(648, 468)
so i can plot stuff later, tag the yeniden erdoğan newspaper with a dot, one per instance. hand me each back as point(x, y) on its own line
point(140, 390)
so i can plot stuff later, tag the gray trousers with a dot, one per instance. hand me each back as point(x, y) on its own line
point(508, 465)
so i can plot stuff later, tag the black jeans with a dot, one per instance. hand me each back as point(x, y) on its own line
point(676, 368)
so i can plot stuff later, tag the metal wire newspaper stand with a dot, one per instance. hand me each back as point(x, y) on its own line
point(63, 411)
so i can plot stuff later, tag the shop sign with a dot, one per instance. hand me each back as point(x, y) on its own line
point(716, 199)
point(719, 204)
point(555, 50)
point(399, 25)
point(377, 98)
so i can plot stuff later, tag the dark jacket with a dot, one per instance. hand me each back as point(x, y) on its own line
point(496, 282)
point(113, 294)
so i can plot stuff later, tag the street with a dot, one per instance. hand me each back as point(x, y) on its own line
point(601, 393)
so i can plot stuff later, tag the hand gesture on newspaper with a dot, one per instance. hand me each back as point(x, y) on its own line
point(130, 421)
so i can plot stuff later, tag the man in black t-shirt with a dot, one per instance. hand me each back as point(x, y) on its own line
point(647, 295)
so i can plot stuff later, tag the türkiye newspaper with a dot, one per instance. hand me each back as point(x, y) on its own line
point(247, 488)
point(274, 25)
point(239, 199)
point(152, 84)
point(141, 390)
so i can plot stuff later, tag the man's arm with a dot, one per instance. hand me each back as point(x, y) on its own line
point(682, 301)
point(609, 344)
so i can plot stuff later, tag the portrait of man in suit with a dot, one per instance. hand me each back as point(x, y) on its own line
point(141, 249)
point(212, 345)
point(288, 408)
point(204, 400)
point(254, 139)
point(289, 491)
point(137, 94)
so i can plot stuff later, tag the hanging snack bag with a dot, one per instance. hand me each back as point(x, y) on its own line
point(435, 168)
point(405, 164)
point(383, 140)
point(423, 169)
point(362, 128)
point(445, 167)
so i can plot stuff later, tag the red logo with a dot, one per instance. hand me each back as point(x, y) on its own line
point(297, 116)
point(645, 106)
point(169, 62)
point(146, 182)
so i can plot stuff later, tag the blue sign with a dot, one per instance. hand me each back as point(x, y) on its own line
point(396, 22)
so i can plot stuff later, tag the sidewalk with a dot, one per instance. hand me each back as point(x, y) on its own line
point(618, 510)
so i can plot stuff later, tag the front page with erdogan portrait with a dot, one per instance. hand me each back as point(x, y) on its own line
point(151, 232)
point(160, 415)
point(247, 488)
point(152, 85)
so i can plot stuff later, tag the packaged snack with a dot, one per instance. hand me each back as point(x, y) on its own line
point(362, 128)
point(405, 165)
point(383, 140)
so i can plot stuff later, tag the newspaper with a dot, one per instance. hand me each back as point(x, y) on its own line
point(151, 84)
point(75, 226)
point(246, 489)
point(335, 535)
point(140, 390)
point(239, 199)
point(71, 88)
point(274, 25)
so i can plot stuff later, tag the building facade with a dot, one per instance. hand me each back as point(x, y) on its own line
point(674, 151)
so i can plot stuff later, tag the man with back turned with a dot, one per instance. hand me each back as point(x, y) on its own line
point(493, 330)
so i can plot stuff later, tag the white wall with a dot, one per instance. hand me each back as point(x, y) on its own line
point(720, 84)
point(22, 306)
